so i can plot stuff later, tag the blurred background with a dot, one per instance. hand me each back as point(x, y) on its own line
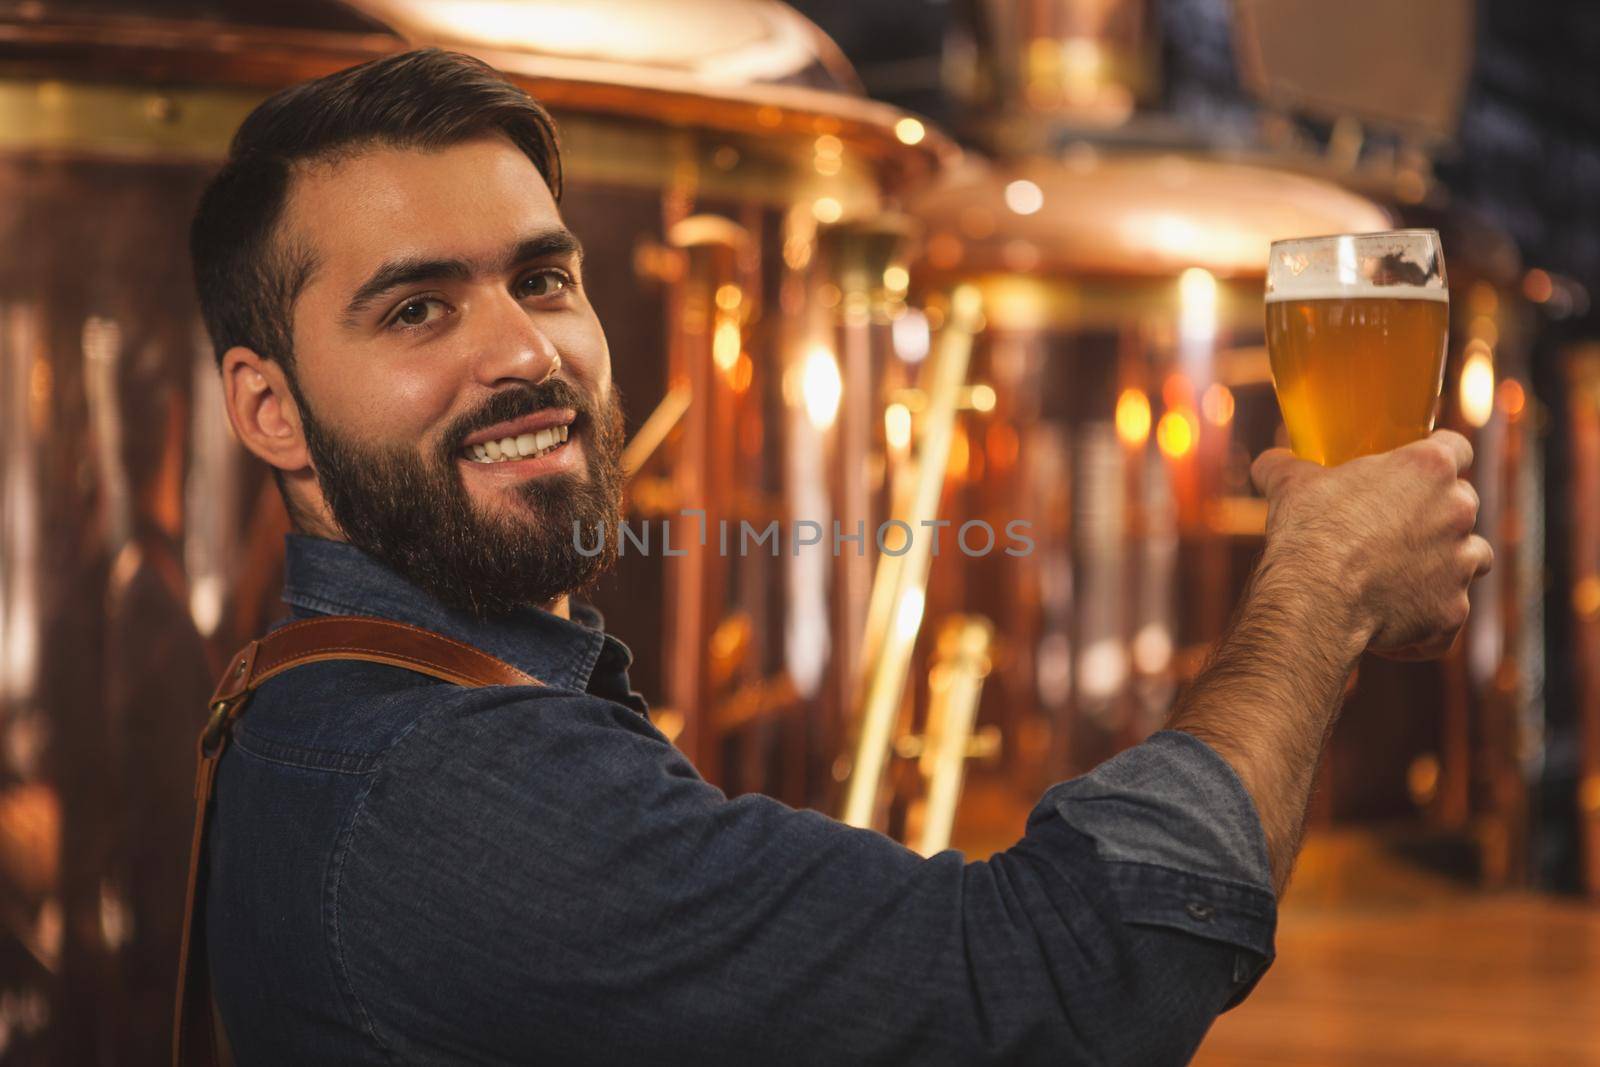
point(787, 210)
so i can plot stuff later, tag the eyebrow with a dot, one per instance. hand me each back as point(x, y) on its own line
point(410, 270)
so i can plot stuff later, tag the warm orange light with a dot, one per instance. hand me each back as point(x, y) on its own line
point(743, 371)
point(944, 250)
point(1177, 391)
point(815, 385)
point(1176, 433)
point(1512, 398)
point(1482, 299)
point(960, 454)
point(1477, 388)
point(726, 342)
point(1537, 287)
point(1217, 403)
point(1024, 197)
point(1002, 445)
point(1586, 597)
point(897, 426)
point(1133, 417)
point(1197, 306)
point(909, 131)
point(909, 616)
point(827, 209)
point(1483, 329)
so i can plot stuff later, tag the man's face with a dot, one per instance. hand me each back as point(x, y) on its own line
point(460, 419)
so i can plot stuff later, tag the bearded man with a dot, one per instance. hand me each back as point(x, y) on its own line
point(408, 871)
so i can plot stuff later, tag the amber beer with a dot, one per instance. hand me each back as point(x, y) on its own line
point(1356, 329)
point(1357, 374)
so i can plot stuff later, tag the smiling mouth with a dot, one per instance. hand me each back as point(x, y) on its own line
point(524, 446)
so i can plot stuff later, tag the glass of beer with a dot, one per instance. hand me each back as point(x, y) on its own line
point(1356, 330)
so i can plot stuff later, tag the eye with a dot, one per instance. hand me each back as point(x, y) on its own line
point(413, 314)
point(546, 282)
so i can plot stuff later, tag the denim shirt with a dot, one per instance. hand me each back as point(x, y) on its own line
point(405, 871)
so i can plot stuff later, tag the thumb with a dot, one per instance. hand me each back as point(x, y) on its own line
point(1276, 468)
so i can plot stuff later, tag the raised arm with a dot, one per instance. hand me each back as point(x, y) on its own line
point(1376, 553)
point(542, 877)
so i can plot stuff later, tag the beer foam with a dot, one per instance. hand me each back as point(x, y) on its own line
point(1359, 292)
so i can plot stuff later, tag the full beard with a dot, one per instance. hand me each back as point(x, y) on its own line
point(413, 513)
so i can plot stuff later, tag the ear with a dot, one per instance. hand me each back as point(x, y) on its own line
point(262, 409)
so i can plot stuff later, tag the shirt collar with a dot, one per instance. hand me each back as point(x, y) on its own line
point(336, 578)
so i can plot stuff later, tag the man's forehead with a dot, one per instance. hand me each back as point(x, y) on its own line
point(463, 202)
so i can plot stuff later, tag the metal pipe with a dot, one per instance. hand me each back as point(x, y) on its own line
point(903, 580)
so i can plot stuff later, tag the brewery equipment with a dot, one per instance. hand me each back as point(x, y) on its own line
point(734, 193)
point(1119, 244)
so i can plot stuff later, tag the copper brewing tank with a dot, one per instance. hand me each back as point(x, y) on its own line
point(731, 187)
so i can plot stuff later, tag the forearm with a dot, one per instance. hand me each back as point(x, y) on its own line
point(1270, 695)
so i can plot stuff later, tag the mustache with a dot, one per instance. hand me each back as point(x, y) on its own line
point(513, 403)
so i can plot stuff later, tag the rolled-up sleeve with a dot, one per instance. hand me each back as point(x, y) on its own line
point(543, 877)
point(1182, 845)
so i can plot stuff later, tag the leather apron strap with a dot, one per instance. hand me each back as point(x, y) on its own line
point(194, 1037)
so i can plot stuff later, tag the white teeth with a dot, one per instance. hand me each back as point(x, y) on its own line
point(520, 447)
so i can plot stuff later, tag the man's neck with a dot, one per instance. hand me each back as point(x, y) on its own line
point(328, 531)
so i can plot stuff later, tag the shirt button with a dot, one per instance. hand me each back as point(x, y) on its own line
point(1199, 912)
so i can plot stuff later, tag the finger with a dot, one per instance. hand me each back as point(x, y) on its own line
point(1277, 467)
point(1457, 446)
point(1480, 554)
point(1464, 516)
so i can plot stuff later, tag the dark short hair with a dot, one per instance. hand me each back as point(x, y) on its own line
point(247, 274)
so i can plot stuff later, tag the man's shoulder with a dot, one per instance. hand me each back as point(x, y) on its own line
point(362, 709)
point(478, 727)
point(535, 765)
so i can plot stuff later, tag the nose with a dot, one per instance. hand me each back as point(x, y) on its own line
point(510, 345)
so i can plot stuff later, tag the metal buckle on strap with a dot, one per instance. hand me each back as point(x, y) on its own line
point(232, 691)
point(217, 726)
